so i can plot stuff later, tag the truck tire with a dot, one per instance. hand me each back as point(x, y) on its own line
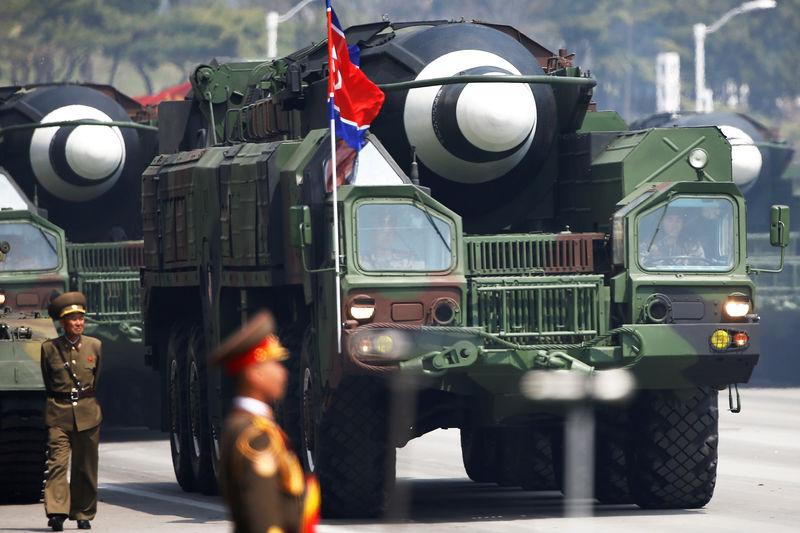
point(479, 452)
point(612, 451)
point(675, 448)
point(355, 462)
point(179, 440)
point(540, 462)
point(23, 446)
point(526, 458)
point(289, 411)
point(305, 393)
point(202, 447)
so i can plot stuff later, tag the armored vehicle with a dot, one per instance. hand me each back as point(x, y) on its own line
point(85, 179)
point(494, 227)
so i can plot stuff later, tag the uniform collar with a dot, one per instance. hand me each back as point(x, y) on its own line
point(69, 344)
point(252, 406)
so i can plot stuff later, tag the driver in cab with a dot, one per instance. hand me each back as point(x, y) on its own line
point(672, 244)
point(384, 251)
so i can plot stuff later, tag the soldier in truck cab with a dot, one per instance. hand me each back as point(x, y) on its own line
point(385, 250)
point(673, 244)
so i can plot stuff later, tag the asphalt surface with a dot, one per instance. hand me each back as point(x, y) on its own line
point(758, 487)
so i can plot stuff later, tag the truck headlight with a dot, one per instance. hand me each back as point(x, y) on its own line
point(698, 158)
point(737, 306)
point(361, 308)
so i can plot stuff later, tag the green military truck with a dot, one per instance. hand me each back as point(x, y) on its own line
point(36, 264)
point(85, 179)
point(487, 230)
point(28, 279)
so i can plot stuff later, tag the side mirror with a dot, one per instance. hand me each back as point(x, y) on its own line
point(779, 225)
point(299, 225)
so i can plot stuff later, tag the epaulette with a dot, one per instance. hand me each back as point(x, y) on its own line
point(275, 457)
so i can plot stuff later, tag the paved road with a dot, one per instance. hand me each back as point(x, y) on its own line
point(758, 487)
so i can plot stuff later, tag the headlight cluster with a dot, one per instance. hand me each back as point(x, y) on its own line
point(382, 343)
point(724, 339)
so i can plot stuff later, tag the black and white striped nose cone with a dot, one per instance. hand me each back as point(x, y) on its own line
point(77, 163)
point(472, 133)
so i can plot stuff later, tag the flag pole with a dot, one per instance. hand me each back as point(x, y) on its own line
point(337, 282)
point(334, 187)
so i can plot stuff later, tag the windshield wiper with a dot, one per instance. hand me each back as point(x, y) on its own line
point(658, 228)
point(430, 220)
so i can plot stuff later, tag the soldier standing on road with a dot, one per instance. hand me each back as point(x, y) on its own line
point(260, 477)
point(70, 366)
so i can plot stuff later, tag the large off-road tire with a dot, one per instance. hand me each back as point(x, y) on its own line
point(675, 448)
point(479, 452)
point(613, 448)
point(352, 458)
point(541, 458)
point(526, 458)
point(179, 437)
point(203, 450)
point(289, 411)
point(23, 446)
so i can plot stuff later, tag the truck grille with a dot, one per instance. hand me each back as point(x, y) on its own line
point(526, 254)
point(108, 274)
point(538, 310)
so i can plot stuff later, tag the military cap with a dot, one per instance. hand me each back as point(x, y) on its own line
point(67, 303)
point(255, 342)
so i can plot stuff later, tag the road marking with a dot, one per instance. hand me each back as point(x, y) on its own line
point(183, 501)
point(165, 497)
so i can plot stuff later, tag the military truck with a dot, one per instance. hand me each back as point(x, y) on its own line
point(85, 179)
point(32, 269)
point(762, 170)
point(495, 224)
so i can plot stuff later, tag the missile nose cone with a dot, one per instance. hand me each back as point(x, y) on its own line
point(746, 160)
point(94, 152)
point(496, 116)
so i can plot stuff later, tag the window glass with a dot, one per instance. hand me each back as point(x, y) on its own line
point(402, 237)
point(688, 234)
point(30, 248)
point(366, 167)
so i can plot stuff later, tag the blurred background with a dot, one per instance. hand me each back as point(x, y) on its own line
point(146, 46)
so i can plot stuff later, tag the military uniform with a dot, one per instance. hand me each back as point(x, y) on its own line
point(260, 477)
point(72, 416)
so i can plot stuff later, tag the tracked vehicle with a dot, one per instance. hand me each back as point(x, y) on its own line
point(494, 225)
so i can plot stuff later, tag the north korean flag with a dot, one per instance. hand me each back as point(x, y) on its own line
point(353, 100)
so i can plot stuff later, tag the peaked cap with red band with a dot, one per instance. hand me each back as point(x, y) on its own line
point(255, 342)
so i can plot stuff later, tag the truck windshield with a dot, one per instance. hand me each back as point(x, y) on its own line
point(688, 234)
point(402, 237)
point(30, 247)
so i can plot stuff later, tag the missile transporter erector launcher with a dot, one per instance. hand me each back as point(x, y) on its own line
point(85, 178)
point(33, 267)
point(494, 228)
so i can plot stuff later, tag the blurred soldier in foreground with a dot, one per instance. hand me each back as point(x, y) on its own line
point(70, 366)
point(260, 476)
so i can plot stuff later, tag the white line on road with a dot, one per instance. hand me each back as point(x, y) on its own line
point(164, 497)
point(182, 501)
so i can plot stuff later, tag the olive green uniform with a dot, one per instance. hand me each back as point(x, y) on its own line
point(73, 426)
point(260, 477)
